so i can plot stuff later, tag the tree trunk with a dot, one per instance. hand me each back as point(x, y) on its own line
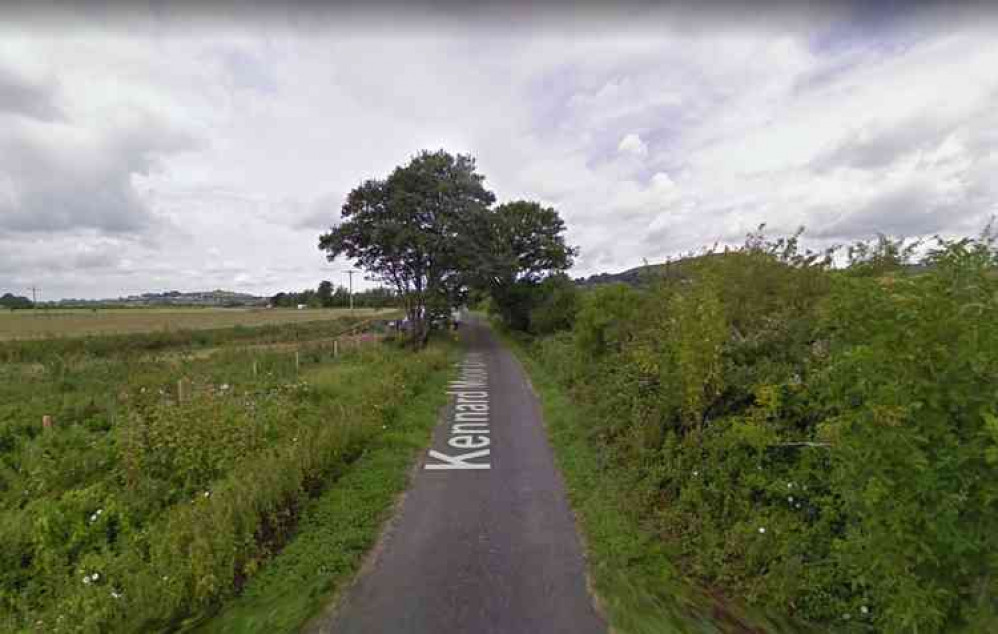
point(414, 326)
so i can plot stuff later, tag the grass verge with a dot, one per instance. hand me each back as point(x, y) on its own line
point(336, 530)
point(640, 589)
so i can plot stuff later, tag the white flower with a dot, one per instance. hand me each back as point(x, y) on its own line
point(695, 473)
point(225, 386)
point(86, 579)
point(95, 576)
point(790, 499)
point(207, 494)
point(864, 609)
point(93, 518)
point(115, 595)
point(790, 485)
point(762, 529)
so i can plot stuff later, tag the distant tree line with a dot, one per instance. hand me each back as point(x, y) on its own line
point(329, 296)
point(14, 302)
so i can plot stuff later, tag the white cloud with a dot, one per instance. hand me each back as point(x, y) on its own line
point(182, 157)
point(632, 144)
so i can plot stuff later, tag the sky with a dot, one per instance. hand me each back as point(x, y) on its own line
point(144, 148)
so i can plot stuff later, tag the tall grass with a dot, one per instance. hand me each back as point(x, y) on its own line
point(137, 509)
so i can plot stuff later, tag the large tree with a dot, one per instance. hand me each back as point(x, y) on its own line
point(325, 293)
point(415, 231)
point(526, 243)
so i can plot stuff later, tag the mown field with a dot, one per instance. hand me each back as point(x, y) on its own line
point(758, 439)
point(168, 482)
point(31, 324)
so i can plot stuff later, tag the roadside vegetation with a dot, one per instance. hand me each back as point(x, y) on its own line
point(337, 530)
point(165, 482)
point(816, 443)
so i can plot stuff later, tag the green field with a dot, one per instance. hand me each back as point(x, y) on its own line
point(168, 481)
point(28, 324)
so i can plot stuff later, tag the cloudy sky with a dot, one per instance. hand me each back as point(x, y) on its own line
point(148, 150)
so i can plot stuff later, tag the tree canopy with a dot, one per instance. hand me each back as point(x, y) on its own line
point(11, 301)
point(430, 231)
point(526, 243)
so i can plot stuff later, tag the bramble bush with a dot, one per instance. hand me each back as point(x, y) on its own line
point(818, 441)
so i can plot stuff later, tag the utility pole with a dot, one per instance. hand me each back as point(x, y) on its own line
point(34, 298)
point(350, 273)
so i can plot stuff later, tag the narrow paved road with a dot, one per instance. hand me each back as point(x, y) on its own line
point(485, 541)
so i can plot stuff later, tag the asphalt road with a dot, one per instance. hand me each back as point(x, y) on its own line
point(476, 549)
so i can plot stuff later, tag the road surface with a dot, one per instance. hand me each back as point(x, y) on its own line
point(484, 541)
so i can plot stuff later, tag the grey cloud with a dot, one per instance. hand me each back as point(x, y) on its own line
point(826, 74)
point(913, 209)
point(96, 260)
point(309, 16)
point(883, 145)
point(247, 71)
point(437, 17)
point(982, 130)
point(322, 213)
point(26, 98)
point(56, 185)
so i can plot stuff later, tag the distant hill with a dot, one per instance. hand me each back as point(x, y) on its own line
point(171, 298)
point(678, 269)
point(639, 274)
point(630, 276)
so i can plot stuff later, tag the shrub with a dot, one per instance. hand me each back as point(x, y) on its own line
point(823, 443)
point(555, 306)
